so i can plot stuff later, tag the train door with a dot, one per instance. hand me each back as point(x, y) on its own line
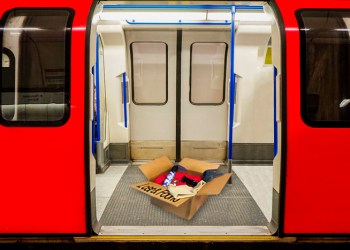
point(42, 118)
point(153, 93)
point(204, 109)
point(182, 111)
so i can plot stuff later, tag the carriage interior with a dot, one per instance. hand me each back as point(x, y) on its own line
point(161, 84)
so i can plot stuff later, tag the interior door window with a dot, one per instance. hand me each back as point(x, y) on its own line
point(208, 73)
point(149, 73)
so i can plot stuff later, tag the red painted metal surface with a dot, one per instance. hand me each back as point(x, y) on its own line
point(317, 167)
point(42, 176)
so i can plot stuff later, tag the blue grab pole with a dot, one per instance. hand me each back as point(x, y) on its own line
point(125, 101)
point(93, 130)
point(275, 125)
point(232, 84)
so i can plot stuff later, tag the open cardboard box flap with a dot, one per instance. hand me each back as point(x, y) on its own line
point(154, 168)
point(215, 186)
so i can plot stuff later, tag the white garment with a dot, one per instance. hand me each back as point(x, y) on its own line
point(184, 191)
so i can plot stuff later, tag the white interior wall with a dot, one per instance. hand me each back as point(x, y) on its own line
point(112, 36)
point(254, 98)
point(276, 61)
point(103, 101)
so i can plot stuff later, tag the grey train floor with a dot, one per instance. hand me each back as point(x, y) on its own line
point(233, 207)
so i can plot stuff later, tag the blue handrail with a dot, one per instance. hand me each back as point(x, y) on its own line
point(125, 101)
point(162, 6)
point(93, 128)
point(249, 7)
point(275, 127)
point(232, 85)
point(206, 7)
point(180, 22)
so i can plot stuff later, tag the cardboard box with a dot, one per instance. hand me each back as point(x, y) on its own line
point(160, 196)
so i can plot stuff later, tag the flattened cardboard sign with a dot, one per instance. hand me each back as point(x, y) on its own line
point(159, 192)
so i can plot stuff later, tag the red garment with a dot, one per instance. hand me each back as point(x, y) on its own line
point(160, 179)
point(178, 176)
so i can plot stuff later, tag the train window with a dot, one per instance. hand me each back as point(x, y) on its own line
point(325, 66)
point(149, 73)
point(35, 83)
point(208, 73)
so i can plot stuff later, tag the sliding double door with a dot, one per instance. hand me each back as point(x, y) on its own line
point(179, 90)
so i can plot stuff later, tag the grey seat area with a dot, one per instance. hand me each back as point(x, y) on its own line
point(34, 112)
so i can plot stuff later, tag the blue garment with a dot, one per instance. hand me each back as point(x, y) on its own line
point(210, 174)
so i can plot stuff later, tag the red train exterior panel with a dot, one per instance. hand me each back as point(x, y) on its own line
point(42, 180)
point(317, 165)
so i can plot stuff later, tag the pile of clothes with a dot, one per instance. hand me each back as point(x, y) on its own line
point(182, 184)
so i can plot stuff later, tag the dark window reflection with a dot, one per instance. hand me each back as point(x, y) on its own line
point(35, 82)
point(325, 65)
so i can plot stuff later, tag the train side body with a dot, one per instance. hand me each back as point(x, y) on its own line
point(45, 169)
point(316, 167)
point(43, 174)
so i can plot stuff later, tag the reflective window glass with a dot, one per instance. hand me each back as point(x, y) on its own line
point(325, 66)
point(208, 73)
point(149, 73)
point(35, 69)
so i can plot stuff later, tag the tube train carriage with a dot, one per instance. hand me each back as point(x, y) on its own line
point(91, 90)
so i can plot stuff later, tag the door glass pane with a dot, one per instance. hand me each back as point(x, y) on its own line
point(325, 66)
point(208, 73)
point(35, 82)
point(149, 72)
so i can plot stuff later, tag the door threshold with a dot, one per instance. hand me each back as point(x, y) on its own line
point(184, 230)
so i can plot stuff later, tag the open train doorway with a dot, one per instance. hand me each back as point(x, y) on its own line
point(167, 85)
